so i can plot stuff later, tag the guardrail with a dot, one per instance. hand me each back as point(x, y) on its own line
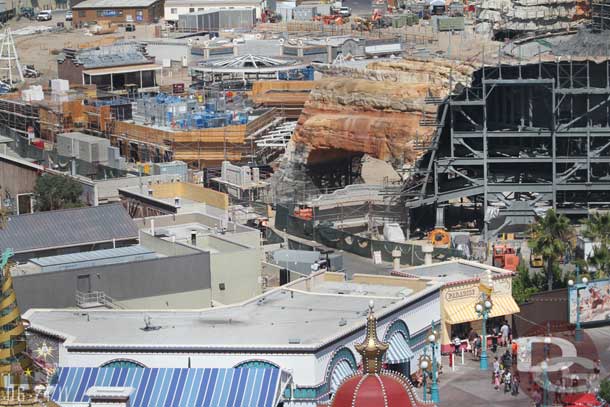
point(96, 299)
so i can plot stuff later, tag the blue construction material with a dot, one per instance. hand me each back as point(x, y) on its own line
point(175, 387)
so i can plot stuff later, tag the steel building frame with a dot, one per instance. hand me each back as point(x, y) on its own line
point(521, 138)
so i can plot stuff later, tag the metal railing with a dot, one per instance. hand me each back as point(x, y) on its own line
point(96, 298)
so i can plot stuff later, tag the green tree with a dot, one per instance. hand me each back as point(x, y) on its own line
point(54, 192)
point(524, 286)
point(604, 390)
point(597, 229)
point(551, 235)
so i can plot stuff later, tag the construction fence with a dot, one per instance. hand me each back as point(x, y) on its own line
point(324, 233)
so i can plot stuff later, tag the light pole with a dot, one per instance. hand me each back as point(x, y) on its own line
point(483, 308)
point(434, 385)
point(425, 366)
point(545, 384)
point(578, 286)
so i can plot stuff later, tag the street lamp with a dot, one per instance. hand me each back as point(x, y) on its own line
point(578, 286)
point(434, 386)
point(545, 384)
point(483, 309)
point(425, 365)
point(547, 347)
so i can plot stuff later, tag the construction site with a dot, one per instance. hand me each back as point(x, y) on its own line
point(438, 121)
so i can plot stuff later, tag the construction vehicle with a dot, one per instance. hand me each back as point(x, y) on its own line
point(303, 212)
point(536, 260)
point(439, 237)
point(505, 257)
point(362, 24)
point(30, 72)
point(269, 16)
point(26, 12)
point(331, 19)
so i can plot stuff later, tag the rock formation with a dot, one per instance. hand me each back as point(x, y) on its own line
point(376, 109)
point(523, 16)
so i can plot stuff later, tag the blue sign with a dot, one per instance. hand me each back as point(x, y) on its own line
point(111, 13)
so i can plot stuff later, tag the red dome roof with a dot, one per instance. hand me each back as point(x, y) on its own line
point(385, 389)
point(375, 387)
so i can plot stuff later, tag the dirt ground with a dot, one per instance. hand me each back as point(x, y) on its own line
point(41, 49)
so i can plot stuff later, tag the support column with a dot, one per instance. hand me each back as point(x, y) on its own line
point(111, 82)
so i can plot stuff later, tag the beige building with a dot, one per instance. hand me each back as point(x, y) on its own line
point(462, 290)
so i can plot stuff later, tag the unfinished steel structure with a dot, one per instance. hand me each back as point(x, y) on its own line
point(520, 139)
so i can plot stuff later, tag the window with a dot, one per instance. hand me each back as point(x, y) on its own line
point(200, 9)
point(173, 11)
point(191, 10)
point(123, 363)
point(81, 13)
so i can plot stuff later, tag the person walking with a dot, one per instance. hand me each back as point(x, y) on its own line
point(515, 385)
point(496, 370)
point(504, 331)
point(515, 351)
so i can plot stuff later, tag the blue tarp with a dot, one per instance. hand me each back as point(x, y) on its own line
point(173, 387)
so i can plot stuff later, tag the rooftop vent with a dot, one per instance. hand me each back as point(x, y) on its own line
point(342, 322)
point(294, 341)
point(148, 326)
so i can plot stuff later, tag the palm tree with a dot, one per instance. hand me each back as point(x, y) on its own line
point(551, 236)
point(597, 229)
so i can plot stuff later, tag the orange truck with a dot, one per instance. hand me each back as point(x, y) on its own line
point(505, 257)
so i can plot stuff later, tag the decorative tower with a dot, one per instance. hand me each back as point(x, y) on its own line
point(372, 349)
point(375, 386)
point(13, 359)
point(10, 67)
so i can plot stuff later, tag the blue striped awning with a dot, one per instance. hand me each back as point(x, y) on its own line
point(399, 350)
point(339, 373)
point(174, 387)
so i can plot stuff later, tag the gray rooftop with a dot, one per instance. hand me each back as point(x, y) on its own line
point(114, 4)
point(94, 258)
point(68, 227)
point(110, 56)
point(288, 317)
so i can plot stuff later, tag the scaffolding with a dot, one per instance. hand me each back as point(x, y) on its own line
point(521, 139)
point(600, 15)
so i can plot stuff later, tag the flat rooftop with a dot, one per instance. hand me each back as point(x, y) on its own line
point(284, 318)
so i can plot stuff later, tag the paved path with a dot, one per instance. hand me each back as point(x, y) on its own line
point(468, 386)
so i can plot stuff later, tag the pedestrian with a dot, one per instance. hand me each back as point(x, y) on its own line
point(504, 331)
point(472, 336)
point(537, 398)
point(496, 370)
point(507, 360)
point(515, 351)
point(515, 385)
point(497, 380)
point(477, 346)
point(507, 378)
point(457, 343)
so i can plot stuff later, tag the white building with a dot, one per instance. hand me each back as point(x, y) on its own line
point(307, 328)
point(174, 8)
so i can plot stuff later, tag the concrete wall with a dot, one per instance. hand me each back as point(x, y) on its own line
point(239, 268)
point(190, 191)
point(162, 278)
point(410, 283)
